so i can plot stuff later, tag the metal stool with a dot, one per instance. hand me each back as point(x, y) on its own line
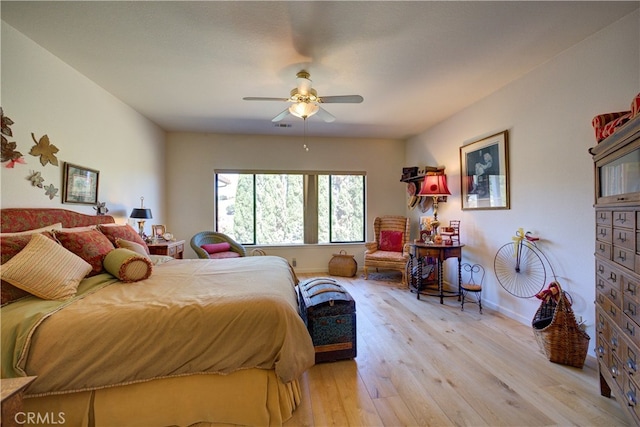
point(473, 277)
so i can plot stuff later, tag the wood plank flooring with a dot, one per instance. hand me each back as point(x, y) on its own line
point(420, 363)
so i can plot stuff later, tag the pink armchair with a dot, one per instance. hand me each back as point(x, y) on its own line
point(390, 250)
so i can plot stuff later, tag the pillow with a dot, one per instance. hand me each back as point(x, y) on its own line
point(225, 254)
point(56, 226)
point(132, 246)
point(10, 245)
point(214, 248)
point(45, 269)
point(90, 245)
point(77, 229)
point(127, 265)
point(391, 240)
point(9, 293)
point(125, 232)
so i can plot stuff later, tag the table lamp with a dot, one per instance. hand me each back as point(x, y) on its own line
point(141, 214)
point(434, 186)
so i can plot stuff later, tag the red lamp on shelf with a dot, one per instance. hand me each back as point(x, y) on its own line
point(434, 186)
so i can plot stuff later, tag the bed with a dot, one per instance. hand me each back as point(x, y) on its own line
point(198, 341)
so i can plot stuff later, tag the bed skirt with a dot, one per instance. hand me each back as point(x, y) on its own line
point(246, 397)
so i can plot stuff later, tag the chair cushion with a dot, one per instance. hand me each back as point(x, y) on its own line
point(214, 248)
point(386, 256)
point(391, 240)
point(471, 287)
point(226, 254)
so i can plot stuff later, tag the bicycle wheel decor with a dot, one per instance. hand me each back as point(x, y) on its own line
point(519, 267)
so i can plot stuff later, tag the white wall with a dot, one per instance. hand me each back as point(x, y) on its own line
point(548, 115)
point(90, 127)
point(192, 159)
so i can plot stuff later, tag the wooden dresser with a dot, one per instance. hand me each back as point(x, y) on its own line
point(617, 265)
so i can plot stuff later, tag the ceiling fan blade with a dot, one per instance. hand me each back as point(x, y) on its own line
point(325, 115)
point(281, 116)
point(345, 99)
point(258, 98)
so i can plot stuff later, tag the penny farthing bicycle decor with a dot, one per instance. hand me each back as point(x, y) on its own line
point(520, 269)
point(520, 266)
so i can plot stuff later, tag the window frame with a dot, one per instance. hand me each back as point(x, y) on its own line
point(310, 209)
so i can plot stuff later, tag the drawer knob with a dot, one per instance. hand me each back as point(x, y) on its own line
point(631, 398)
point(622, 256)
point(631, 364)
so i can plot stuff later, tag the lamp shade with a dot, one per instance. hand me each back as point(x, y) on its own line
point(434, 185)
point(141, 213)
point(303, 109)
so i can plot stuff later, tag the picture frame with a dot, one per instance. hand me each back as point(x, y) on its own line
point(80, 185)
point(158, 230)
point(484, 173)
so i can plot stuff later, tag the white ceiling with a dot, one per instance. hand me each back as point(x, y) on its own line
point(187, 65)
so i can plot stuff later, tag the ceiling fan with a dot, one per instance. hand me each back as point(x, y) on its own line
point(305, 101)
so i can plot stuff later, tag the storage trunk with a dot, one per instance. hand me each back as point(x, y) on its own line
point(329, 312)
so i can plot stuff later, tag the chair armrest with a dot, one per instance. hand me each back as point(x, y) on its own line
point(371, 247)
point(200, 252)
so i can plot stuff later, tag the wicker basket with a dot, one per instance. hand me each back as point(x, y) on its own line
point(558, 333)
point(343, 264)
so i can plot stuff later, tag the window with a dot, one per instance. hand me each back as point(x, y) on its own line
point(290, 208)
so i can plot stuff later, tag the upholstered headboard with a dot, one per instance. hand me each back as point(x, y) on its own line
point(21, 219)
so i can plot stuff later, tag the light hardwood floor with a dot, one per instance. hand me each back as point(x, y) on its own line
point(420, 363)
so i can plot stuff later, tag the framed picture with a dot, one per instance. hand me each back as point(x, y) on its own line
point(158, 230)
point(80, 185)
point(484, 172)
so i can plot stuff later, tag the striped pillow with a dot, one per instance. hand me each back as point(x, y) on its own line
point(45, 269)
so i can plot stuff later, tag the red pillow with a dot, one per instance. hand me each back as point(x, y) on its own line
point(124, 232)
point(391, 240)
point(91, 245)
point(214, 248)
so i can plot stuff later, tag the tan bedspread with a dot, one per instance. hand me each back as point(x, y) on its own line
point(190, 316)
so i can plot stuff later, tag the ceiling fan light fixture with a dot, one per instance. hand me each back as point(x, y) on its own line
point(303, 110)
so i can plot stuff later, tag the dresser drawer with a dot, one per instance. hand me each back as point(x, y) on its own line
point(607, 275)
point(625, 219)
point(604, 218)
point(604, 234)
point(608, 290)
point(603, 249)
point(631, 287)
point(611, 310)
point(630, 398)
point(616, 369)
point(624, 257)
point(624, 238)
point(631, 308)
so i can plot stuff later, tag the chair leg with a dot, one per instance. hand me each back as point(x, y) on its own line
point(464, 294)
point(366, 273)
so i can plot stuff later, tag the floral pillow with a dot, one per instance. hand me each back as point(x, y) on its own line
point(391, 240)
point(91, 245)
point(125, 232)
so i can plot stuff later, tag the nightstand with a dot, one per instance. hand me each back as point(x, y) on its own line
point(172, 249)
point(12, 391)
